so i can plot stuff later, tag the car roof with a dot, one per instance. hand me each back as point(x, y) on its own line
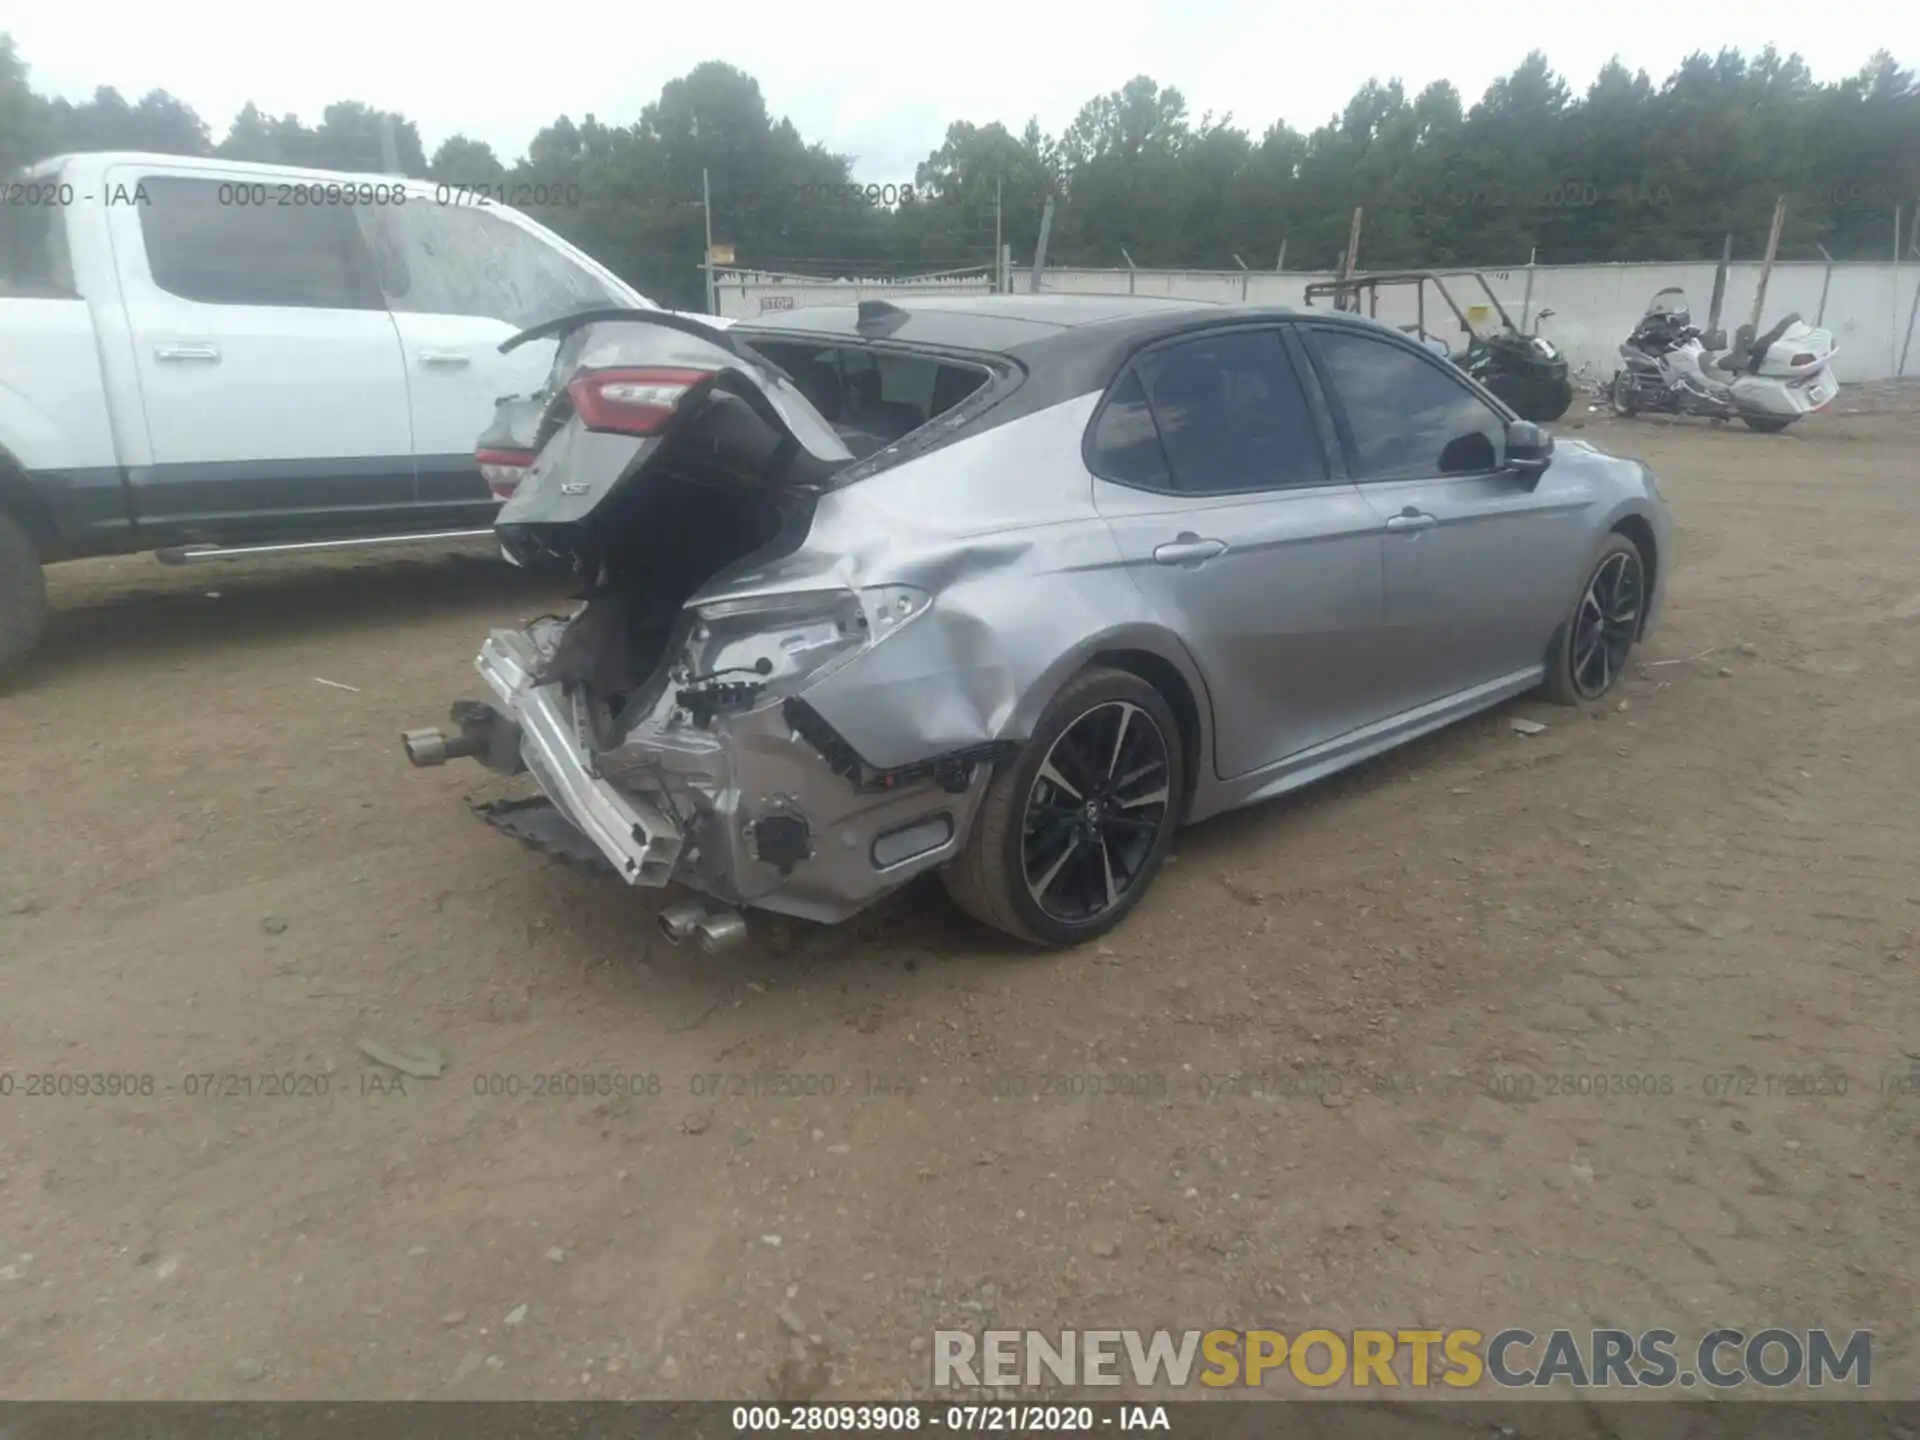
point(1021, 326)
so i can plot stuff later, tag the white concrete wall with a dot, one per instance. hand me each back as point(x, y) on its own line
point(743, 294)
point(1596, 306)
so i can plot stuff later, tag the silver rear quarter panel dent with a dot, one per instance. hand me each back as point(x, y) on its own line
point(1027, 580)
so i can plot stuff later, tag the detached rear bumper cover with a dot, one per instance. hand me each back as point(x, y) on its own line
point(635, 835)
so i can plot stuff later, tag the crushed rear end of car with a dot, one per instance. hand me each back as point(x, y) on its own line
point(666, 721)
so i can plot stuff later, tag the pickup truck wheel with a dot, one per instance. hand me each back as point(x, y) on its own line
point(23, 596)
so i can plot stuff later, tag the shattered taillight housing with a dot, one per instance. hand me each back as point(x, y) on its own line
point(768, 647)
point(503, 470)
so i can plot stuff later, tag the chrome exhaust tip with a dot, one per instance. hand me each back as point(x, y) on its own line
point(425, 747)
point(722, 930)
point(678, 922)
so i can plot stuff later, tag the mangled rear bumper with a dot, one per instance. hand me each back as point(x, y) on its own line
point(641, 842)
point(768, 808)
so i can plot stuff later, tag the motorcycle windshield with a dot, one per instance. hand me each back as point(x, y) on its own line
point(1670, 301)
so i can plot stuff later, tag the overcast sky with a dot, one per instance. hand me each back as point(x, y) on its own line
point(883, 91)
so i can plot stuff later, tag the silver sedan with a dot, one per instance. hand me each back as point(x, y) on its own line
point(1011, 588)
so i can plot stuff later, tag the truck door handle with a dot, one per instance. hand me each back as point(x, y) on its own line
point(1188, 549)
point(445, 359)
point(1412, 519)
point(186, 352)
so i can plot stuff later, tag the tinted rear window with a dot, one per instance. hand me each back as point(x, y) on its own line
point(884, 394)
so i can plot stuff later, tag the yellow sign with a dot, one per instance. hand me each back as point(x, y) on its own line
point(720, 255)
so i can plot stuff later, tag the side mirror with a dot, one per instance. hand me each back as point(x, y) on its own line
point(1529, 450)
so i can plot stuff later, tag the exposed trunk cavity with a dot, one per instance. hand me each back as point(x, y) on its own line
point(652, 520)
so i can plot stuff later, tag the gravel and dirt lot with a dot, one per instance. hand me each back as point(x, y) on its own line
point(1610, 1024)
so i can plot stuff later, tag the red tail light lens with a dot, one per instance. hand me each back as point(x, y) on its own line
point(632, 402)
point(503, 470)
point(1800, 360)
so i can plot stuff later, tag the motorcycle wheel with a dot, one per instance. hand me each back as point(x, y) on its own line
point(1622, 395)
point(1766, 424)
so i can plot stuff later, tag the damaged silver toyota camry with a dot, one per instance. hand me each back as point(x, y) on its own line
point(1011, 588)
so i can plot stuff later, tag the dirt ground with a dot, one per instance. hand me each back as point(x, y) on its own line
point(217, 869)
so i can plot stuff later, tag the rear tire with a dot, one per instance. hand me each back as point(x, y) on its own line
point(1590, 649)
point(1031, 844)
point(23, 597)
point(1766, 424)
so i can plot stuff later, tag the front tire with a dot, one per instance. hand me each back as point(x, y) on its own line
point(1621, 395)
point(1590, 650)
point(1767, 424)
point(1072, 833)
point(23, 596)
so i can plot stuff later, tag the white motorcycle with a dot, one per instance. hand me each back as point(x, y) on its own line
point(1767, 381)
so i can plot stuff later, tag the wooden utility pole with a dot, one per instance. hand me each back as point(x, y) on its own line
point(998, 274)
point(1825, 281)
point(1912, 310)
point(1766, 266)
point(706, 210)
point(389, 146)
point(1040, 249)
point(1351, 259)
point(1896, 281)
point(1720, 285)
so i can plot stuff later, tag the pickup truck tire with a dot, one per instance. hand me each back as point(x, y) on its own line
point(23, 596)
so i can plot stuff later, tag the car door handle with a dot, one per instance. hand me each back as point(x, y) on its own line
point(1412, 519)
point(186, 352)
point(445, 359)
point(1188, 549)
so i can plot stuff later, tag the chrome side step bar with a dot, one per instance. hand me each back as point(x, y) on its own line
point(195, 554)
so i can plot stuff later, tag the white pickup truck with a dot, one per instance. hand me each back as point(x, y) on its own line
point(208, 358)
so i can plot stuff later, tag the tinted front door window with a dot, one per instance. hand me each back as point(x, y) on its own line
point(1409, 417)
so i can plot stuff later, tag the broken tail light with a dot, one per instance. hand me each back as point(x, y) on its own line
point(632, 402)
point(503, 470)
point(1802, 359)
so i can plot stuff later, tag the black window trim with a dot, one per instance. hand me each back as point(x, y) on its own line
point(1332, 462)
point(363, 278)
point(1338, 410)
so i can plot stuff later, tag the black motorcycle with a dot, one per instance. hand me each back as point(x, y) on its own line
point(1528, 373)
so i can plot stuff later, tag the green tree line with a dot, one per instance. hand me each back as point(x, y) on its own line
point(1632, 170)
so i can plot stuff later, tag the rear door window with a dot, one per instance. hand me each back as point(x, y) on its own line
point(203, 246)
point(1126, 442)
point(1222, 414)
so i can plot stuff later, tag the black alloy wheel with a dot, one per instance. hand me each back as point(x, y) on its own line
point(1606, 623)
point(1095, 811)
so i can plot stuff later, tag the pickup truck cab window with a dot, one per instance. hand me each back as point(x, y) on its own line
point(203, 246)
